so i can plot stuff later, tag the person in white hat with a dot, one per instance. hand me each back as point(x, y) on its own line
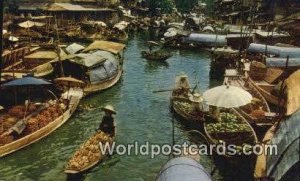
point(107, 125)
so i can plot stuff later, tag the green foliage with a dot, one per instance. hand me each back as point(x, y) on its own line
point(165, 5)
point(185, 5)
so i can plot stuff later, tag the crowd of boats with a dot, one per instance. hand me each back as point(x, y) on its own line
point(42, 83)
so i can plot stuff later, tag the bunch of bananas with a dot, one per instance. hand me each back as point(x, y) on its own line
point(89, 152)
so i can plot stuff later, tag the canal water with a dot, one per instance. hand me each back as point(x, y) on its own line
point(142, 116)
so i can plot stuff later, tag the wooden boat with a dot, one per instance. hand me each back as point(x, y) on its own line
point(106, 84)
point(95, 156)
point(260, 105)
point(242, 134)
point(36, 62)
point(72, 97)
point(182, 106)
point(265, 90)
point(156, 55)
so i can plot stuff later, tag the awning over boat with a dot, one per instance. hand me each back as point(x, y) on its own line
point(206, 39)
point(287, 139)
point(106, 55)
point(293, 93)
point(74, 48)
point(105, 71)
point(275, 50)
point(183, 168)
point(87, 60)
point(281, 62)
point(109, 46)
point(266, 34)
point(42, 55)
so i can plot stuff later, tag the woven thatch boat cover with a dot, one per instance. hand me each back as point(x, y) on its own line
point(293, 93)
point(183, 169)
point(283, 52)
point(109, 46)
point(87, 60)
point(74, 48)
point(42, 55)
point(281, 62)
point(107, 70)
point(206, 39)
point(287, 139)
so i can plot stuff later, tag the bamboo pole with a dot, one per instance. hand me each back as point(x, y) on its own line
point(1, 37)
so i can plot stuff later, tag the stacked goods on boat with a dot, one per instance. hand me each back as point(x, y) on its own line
point(184, 106)
point(34, 116)
point(89, 152)
point(230, 128)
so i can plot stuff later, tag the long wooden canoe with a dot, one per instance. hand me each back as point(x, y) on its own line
point(42, 132)
point(233, 138)
point(265, 90)
point(177, 103)
point(261, 102)
point(90, 165)
point(106, 84)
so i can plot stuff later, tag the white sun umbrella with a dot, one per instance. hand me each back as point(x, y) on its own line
point(227, 97)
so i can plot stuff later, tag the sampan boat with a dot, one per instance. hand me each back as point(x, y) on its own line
point(254, 112)
point(41, 121)
point(230, 129)
point(89, 154)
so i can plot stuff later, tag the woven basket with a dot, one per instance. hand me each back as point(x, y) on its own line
point(258, 70)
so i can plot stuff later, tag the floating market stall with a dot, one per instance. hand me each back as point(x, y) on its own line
point(256, 111)
point(89, 154)
point(23, 125)
point(229, 126)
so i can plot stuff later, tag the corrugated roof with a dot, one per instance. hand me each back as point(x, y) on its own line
point(109, 46)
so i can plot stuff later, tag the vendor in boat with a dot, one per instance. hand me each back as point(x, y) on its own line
point(107, 124)
point(197, 104)
point(182, 87)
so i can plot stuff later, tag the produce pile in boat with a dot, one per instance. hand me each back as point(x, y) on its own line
point(184, 106)
point(34, 121)
point(89, 152)
point(228, 123)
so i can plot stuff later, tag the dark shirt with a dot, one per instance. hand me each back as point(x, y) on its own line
point(107, 125)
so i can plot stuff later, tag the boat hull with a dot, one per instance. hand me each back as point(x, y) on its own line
point(41, 133)
point(93, 88)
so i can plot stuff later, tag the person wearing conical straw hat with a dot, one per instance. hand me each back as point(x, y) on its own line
point(107, 125)
point(182, 85)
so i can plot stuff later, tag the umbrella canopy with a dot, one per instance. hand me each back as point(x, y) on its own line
point(26, 81)
point(29, 24)
point(69, 81)
point(227, 96)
